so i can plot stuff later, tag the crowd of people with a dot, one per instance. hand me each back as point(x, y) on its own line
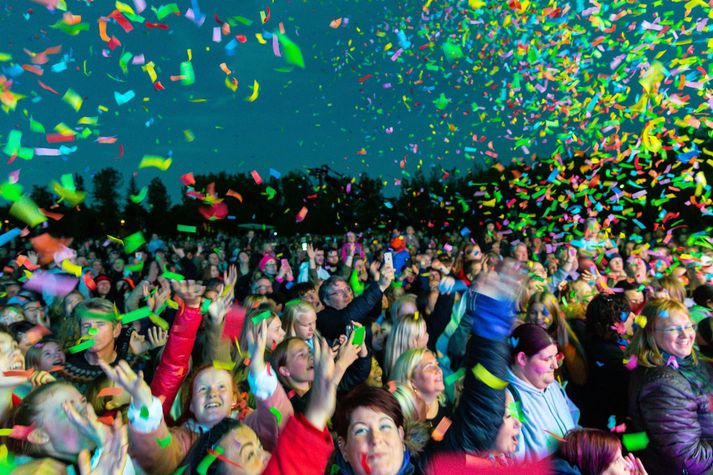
point(389, 353)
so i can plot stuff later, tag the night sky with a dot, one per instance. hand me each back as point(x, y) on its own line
point(396, 86)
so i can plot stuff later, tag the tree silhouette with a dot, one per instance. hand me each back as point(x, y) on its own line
point(158, 206)
point(134, 213)
point(105, 199)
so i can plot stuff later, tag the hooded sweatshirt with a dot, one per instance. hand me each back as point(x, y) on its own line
point(548, 410)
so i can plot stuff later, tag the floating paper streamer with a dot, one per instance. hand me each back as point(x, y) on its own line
point(156, 162)
point(57, 285)
point(482, 373)
point(133, 242)
point(27, 211)
point(73, 99)
point(9, 236)
point(122, 99)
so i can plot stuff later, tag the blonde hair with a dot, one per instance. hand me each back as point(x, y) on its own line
point(643, 345)
point(412, 406)
point(399, 340)
point(674, 287)
point(406, 365)
point(292, 313)
point(399, 303)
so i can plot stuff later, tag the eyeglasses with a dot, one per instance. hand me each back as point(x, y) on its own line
point(343, 292)
point(678, 330)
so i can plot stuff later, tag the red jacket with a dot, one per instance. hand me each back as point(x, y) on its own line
point(173, 368)
point(301, 449)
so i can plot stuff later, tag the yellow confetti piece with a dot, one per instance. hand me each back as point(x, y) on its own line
point(482, 373)
point(226, 365)
point(156, 162)
point(5, 57)
point(71, 268)
point(641, 321)
point(256, 91)
point(260, 39)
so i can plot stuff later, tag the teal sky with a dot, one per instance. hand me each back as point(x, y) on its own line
point(469, 86)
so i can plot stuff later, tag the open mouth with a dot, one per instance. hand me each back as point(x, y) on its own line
point(212, 405)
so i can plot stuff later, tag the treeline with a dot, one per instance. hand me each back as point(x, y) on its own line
point(643, 191)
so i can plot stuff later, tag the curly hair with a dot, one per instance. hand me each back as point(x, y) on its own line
point(603, 312)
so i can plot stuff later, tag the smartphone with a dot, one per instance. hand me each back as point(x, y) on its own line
point(350, 329)
point(304, 246)
point(388, 259)
point(284, 262)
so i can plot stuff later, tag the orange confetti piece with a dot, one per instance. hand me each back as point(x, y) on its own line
point(33, 69)
point(70, 19)
point(46, 87)
point(225, 69)
point(336, 23)
point(110, 392)
point(102, 31)
point(235, 195)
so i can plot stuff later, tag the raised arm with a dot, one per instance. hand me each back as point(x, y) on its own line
point(479, 414)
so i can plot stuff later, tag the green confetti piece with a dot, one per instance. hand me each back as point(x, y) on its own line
point(165, 442)
point(136, 267)
point(134, 315)
point(278, 415)
point(11, 191)
point(140, 196)
point(358, 336)
point(180, 470)
point(159, 322)
point(233, 21)
point(36, 127)
point(182, 228)
point(165, 10)
point(291, 52)
point(173, 276)
point(85, 345)
point(293, 302)
point(27, 211)
point(71, 30)
point(261, 316)
point(451, 379)
point(205, 464)
point(635, 442)
point(133, 242)
point(205, 305)
point(92, 331)
point(144, 413)
point(188, 74)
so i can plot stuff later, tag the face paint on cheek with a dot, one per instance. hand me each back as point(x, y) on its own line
point(274, 345)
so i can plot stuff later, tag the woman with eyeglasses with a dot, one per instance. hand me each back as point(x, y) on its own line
point(670, 391)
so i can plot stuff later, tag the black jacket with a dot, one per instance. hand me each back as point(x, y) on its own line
point(332, 322)
point(673, 407)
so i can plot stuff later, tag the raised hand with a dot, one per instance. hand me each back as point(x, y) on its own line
point(157, 337)
point(635, 465)
point(82, 416)
point(220, 305)
point(189, 291)
point(256, 348)
point(114, 452)
point(386, 277)
point(311, 252)
point(504, 283)
point(323, 397)
point(230, 277)
point(138, 344)
point(126, 378)
point(39, 378)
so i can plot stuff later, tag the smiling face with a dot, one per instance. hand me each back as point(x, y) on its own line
point(507, 438)
point(339, 296)
point(675, 335)
point(51, 355)
point(539, 315)
point(374, 444)
point(538, 369)
point(213, 396)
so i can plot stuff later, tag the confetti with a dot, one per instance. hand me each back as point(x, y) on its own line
point(480, 372)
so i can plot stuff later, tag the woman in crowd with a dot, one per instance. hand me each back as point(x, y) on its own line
point(418, 369)
point(609, 326)
point(594, 452)
point(408, 332)
point(45, 355)
point(670, 391)
point(548, 412)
